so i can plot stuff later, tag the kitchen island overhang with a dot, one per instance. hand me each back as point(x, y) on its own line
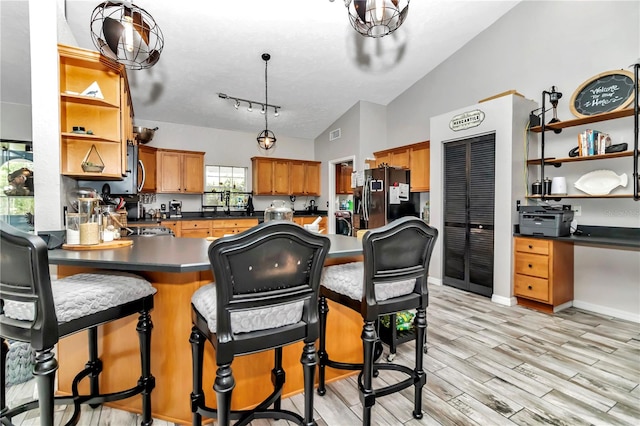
point(177, 267)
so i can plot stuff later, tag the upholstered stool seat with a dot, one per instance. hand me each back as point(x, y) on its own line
point(39, 311)
point(265, 297)
point(391, 278)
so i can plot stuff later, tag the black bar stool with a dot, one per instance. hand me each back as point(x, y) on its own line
point(265, 296)
point(36, 310)
point(392, 278)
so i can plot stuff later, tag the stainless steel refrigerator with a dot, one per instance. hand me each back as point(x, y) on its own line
point(384, 196)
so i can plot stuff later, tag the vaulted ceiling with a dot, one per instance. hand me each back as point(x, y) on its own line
point(319, 67)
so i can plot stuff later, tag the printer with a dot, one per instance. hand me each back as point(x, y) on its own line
point(547, 221)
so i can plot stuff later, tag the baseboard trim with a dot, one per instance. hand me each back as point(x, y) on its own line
point(505, 301)
point(434, 281)
point(604, 310)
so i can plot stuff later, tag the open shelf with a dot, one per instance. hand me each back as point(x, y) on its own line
point(558, 197)
point(553, 160)
point(88, 100)
point(84, 136)
point(586, 120)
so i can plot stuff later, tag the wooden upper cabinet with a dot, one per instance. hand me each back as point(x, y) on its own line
point(419, 166)
point(147, 156)
point(414, 157)
point(262, 175)
point(312, 178)
point(193, 172)
point(396, 157)
point(105, 119)
point(180, 171)
point(343, 179)
point(280, 176)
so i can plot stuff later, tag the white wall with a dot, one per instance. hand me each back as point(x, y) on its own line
point(15, 122)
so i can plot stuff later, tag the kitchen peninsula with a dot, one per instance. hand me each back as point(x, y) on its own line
point(177, 267)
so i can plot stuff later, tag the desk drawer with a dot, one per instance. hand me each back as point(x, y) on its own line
point(532, 245)
point(531, 287)
point(532, 264)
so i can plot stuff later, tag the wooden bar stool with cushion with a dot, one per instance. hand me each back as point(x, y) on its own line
point(265, 296)
point(392, 278)
point(36, 310)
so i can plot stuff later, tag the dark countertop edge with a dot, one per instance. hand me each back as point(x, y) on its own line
point(131, 266)
point(609, 236)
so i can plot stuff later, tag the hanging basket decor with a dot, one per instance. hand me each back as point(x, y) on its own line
point(92, 162)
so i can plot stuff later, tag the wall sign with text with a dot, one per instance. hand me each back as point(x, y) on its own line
point(466, 120)
point(605, 92)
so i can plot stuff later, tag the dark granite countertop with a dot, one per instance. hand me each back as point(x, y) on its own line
point(165, 253)
point(606, 236)
point(219, 215)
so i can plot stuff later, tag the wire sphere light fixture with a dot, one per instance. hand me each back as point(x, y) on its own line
point(376, 18)
point(266, 138)
point(126, 33)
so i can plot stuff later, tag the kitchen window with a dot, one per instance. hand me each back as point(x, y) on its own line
point(219, 179)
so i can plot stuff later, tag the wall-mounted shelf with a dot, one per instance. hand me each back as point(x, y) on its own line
point(586, 120)
point(558, 161)
point(558, 197)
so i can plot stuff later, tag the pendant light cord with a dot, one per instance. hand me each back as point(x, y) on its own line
point(266, 99)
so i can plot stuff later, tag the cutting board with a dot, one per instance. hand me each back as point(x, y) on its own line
point(102, 246)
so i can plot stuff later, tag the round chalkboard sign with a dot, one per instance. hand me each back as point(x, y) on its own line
point(606, 92)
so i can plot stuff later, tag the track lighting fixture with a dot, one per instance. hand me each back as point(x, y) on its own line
point(264, 107)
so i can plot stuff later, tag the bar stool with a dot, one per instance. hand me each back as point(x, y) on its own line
point(392, 278)
point(265, 296)
point(36, 310)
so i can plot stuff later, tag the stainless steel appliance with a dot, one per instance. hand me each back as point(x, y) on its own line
point(384, 197)
point(344, 223)
point(175, 208)
point(132, 181)
point(150, 231)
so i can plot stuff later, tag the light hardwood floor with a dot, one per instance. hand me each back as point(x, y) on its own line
point(486, 365)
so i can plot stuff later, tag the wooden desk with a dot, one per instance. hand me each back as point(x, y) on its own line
point(177, 267)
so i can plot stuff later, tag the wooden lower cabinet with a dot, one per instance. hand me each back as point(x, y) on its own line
point(173, 225)
point(305, 220)
point(195, 228)
point(543, 273)
point(222, 227)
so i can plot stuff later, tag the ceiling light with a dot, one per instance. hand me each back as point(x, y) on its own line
point(127, 34)
point(250, 108)
point(237, 104)
point(263, 110)
point(376, 18)
point(276, 113)
point(266, 138)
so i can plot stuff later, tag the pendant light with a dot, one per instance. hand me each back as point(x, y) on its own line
point(126, 33)
point(266, 138)
point(377, 18)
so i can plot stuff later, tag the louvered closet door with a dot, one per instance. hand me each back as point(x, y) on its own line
point(469, 196)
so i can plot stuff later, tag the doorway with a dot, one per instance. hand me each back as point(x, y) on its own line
point(469, 199)
point(334, 198)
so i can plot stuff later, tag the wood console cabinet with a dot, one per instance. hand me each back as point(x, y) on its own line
point(543, 273)
point(414, 157)
point(180, 171)
point(107, 120)
point(281, 176)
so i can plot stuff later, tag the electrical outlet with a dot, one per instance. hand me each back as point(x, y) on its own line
point(577, 210)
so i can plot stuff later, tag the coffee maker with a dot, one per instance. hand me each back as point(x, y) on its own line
point(175, 208)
